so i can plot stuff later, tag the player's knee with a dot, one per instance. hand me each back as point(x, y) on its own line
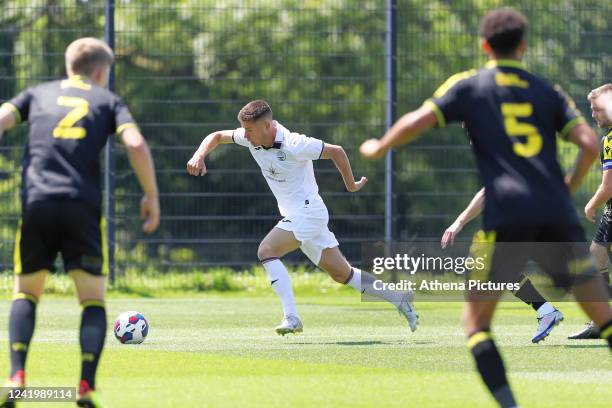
point(337, 274)
point(265, 251)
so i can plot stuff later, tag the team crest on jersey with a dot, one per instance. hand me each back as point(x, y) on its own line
point(281, 156)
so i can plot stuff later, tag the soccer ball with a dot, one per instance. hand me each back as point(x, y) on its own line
point(131, 328)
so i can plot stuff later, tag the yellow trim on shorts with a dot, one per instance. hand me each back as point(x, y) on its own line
point(477, 338)
point(13, 109)
point(483, 246)
point(17, 266)
point(24, 295)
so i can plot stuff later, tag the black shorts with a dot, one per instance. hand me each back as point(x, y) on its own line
point(70, 227)
point(561, 251)
point(603, 235)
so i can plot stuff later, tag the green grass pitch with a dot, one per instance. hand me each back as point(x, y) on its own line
point(221, 351)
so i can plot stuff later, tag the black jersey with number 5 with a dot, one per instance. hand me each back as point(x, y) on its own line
point(512, 118)
point(70, 121)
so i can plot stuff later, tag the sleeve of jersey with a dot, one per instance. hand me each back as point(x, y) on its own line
point(606, 153)
point(123, 117)
point(568, 114)
point(239, 139)
point(445, 102)
point(306, 148)
point(20, 105)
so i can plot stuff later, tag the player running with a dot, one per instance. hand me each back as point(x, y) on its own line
point(285, 159)
point(513, 117)
point(70, 121)
point(548, 315)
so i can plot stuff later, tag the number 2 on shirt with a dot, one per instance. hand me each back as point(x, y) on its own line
point(65, 128)
point(533, 144)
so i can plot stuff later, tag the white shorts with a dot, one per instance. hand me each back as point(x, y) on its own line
point(310, 228)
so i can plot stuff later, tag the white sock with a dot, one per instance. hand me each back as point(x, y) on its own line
point(363, 282)
point(546, 308)
point(281, 283)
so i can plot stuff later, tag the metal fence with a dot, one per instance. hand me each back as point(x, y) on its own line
point(186, 68)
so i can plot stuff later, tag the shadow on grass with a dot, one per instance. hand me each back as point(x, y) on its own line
point(361, 343)
point(578, 346)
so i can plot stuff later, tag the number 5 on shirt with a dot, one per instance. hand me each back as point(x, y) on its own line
point(511, 112)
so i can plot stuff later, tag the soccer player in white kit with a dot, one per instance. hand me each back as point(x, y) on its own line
point(285, 159)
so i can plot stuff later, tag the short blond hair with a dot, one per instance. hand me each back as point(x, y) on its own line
point(85, 55)
point(597, 92)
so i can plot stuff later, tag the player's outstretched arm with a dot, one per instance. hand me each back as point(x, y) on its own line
point(338, 156)
point(142, 163)
point(405, 130)
point(471, 211)
point(582, 136)
point(196, 165)
point(7, 119)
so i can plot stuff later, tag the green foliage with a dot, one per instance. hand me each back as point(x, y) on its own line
point(180, 281)
point(185, 68)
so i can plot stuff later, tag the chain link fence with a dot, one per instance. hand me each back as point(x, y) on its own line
point(186, 68)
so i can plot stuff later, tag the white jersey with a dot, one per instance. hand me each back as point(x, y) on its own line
point(287, 168)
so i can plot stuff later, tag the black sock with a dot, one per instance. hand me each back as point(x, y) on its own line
point(606, 332)
point(92, 335)
point(530, 295)
point(491, 367)
point(21, 328)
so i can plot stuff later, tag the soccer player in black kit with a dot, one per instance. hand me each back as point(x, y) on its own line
point(513, 117)
point(69, 122)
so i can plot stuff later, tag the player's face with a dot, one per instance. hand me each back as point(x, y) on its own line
point(601, 110)
point(258, 132)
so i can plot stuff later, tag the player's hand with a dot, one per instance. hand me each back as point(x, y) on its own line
point(357, 185)
point(448, 238)
point(372, 149)
point(196, 166)
point(149, 212)
point(589, 212)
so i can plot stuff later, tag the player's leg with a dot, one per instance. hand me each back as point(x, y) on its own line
point(84, 251)
point(33, 258)
point(22, 318)
point(90, 291)
point(591, 292)
point(531, 296)
point(477, 323)
point(508, 255)
point(274, 246)
point(548, 315)
point(335, 264)
point(592, 296)
point(600, 252)
point(28, 290)
point(571, 266)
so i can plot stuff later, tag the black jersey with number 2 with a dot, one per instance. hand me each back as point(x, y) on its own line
point(70, 121)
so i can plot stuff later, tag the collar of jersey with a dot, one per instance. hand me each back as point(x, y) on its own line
point(278, 139)
point(506, 63)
